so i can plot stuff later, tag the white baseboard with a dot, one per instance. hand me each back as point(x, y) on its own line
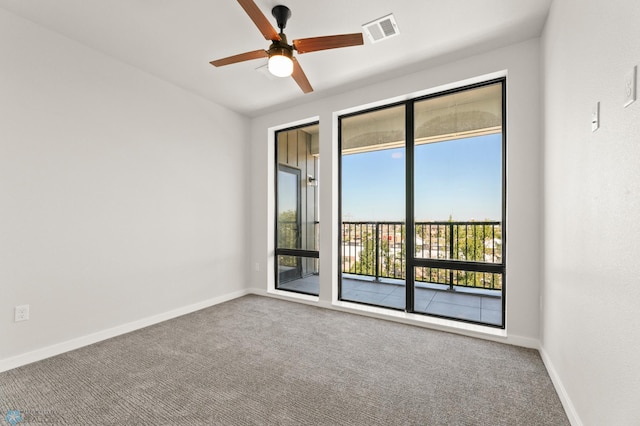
point(288, 295)
point(69, 345)
point(560, 389)
point(525, 342)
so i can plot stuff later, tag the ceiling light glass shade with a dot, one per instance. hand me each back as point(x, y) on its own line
point(280, 66)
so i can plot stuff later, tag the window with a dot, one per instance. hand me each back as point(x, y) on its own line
point(297, 223)
point(423, 205)
point(373, 207)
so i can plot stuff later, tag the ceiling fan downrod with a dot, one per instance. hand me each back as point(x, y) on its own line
point(282, 15)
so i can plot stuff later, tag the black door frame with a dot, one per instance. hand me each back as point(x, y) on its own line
point(297, 174)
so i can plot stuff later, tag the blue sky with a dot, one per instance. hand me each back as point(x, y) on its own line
point(460, 178)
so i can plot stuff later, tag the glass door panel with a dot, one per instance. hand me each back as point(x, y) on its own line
point(289, 267)
point(373, 176)
point(458, 205)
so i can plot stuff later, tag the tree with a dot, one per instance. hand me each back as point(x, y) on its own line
point(288, 235)
point(366, 263)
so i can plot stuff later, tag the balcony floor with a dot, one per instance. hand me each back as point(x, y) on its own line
point(482, 306)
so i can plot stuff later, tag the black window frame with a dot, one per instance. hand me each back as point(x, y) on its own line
point(411, 261)
point(293, 252)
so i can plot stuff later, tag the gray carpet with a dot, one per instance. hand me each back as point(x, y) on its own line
point(262, 361)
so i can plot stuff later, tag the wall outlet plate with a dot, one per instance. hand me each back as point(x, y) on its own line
point(630, 87)
point(21, 313)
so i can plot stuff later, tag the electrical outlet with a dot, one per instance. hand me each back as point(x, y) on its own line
point(22, 313)
point(257, 267)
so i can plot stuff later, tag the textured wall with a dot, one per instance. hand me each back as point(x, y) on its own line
point(122, 197)
point(592, 202)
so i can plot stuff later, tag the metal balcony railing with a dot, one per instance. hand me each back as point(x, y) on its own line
point(378, 250)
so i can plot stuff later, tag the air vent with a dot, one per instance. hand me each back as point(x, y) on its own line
point(381, 29)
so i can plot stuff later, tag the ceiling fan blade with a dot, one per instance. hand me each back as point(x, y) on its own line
point(300, 77)
point(247, 56)
point(260, 20)
point(313, 44)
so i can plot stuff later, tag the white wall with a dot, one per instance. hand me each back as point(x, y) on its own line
point(590, 331)
point(521, 61)
point(122, 197)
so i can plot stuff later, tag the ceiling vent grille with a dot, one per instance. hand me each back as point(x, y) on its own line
point(381, 29)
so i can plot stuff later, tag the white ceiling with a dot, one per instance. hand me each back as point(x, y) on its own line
point(175, 40)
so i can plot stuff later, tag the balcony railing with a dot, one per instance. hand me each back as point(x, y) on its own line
point(378, 250)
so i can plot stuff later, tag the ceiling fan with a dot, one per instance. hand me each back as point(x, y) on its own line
point(282, 63)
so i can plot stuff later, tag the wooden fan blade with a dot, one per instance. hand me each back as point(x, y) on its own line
point(260, 20)
point(247, 56)
point(300, 77)
point(314, 44)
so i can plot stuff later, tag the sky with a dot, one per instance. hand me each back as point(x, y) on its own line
point(461, 179)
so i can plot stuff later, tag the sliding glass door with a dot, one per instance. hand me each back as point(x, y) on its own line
point(422, 205)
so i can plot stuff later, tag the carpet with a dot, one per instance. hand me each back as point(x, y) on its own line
point(262, 361)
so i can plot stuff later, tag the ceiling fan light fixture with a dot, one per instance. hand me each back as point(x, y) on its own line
point(280, 65)
point(280, 62)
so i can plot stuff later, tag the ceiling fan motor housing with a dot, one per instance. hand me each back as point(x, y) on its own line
point(281, 47)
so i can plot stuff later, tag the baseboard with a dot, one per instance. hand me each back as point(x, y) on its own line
point(69, 345)
point(560, 389)
point(289, 296)
point(525, 342)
